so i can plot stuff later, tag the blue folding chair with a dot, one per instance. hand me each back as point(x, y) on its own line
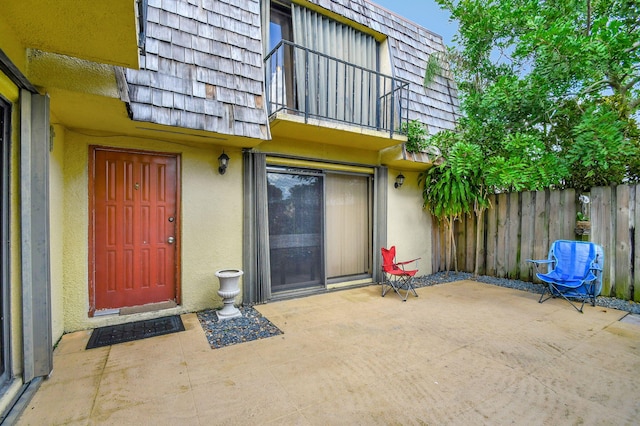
point(574, 271)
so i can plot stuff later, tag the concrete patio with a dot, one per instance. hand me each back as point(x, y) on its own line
point(462, 353)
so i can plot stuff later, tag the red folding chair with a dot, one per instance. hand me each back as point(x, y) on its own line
point(395, 276)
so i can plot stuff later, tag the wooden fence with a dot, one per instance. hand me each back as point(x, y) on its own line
point(521, 226)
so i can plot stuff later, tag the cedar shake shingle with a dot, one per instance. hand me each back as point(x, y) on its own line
point(203, 67)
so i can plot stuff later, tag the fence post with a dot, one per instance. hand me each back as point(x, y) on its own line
point(492, 231)
point(470, 242)
point(602, 231)
point(623, 244)
point(541, 226)
point(513, 236)
point(502, 236)
point(526, 236)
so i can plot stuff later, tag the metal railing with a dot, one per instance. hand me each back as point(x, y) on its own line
point(307, 83)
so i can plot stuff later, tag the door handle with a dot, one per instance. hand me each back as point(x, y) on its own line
point(171, 240)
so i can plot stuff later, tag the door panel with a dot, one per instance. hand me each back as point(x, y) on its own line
point(135, 223)
point(295, 231)
point(348, 225)
point(4, 239)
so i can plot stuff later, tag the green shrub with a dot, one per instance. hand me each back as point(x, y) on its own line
point(416, 136)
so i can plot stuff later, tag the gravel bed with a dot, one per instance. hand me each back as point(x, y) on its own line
point(447, 277)
point(250, 326)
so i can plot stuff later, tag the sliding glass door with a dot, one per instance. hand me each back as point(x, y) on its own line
point(320, 228)
point(295, 209)
point(348, 226)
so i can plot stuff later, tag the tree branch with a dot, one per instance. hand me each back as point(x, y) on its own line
point(632, 83)
point(633, 47)
point(597, 86)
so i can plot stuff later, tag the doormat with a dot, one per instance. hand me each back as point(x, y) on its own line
point(250, 326)
point(114, 334)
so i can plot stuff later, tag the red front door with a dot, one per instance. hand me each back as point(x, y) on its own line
point(134, 239)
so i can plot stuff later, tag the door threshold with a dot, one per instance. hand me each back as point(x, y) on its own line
point(149, 307)
point(105, 312)
point(300, 292)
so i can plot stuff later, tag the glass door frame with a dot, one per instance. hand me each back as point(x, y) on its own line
point(370, 217)
point(327, 282)
point(5, 177)
point(322, 285)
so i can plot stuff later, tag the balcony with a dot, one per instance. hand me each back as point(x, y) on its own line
point(305, 87)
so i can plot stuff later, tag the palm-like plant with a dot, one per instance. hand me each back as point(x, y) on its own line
point(455, 188)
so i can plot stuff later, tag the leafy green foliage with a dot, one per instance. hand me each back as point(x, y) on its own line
point(416, 136)
point(550, 91)
point(599, 152)
point(550, 98)
point(455, 187)
point(446, 194)
point(433, 68)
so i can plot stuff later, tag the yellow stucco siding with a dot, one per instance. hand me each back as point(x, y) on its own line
point(320, 152)
point(11, 45)
point(408, 224)
point(98, 31)
point(51, 70)
point(211, 223)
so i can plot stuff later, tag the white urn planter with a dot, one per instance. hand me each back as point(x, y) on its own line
point(229, 289)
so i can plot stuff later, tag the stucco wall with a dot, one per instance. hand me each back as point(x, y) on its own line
point(409, 225)
point(11, 46)
point(320, 152)
point(211, 224)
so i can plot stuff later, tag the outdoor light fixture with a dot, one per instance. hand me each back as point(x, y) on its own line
point(223, 163)
point(399, 181)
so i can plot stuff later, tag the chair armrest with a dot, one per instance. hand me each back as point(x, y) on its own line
point(401, 264)
point(537, 263)
point(540, 261)
point(408, 261)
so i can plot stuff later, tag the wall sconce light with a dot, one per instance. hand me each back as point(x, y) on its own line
point(223, 163)
point(399, 181)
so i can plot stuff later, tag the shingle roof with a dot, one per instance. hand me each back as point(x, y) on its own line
point(202, 68)
point(203, 65)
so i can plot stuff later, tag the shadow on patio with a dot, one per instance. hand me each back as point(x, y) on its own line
point(461, 353)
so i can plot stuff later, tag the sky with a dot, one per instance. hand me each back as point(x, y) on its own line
point(426, 13)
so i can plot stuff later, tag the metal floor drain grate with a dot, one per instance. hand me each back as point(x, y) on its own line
point(114, 334)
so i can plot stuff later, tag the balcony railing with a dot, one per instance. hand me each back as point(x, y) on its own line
point(310, 84)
